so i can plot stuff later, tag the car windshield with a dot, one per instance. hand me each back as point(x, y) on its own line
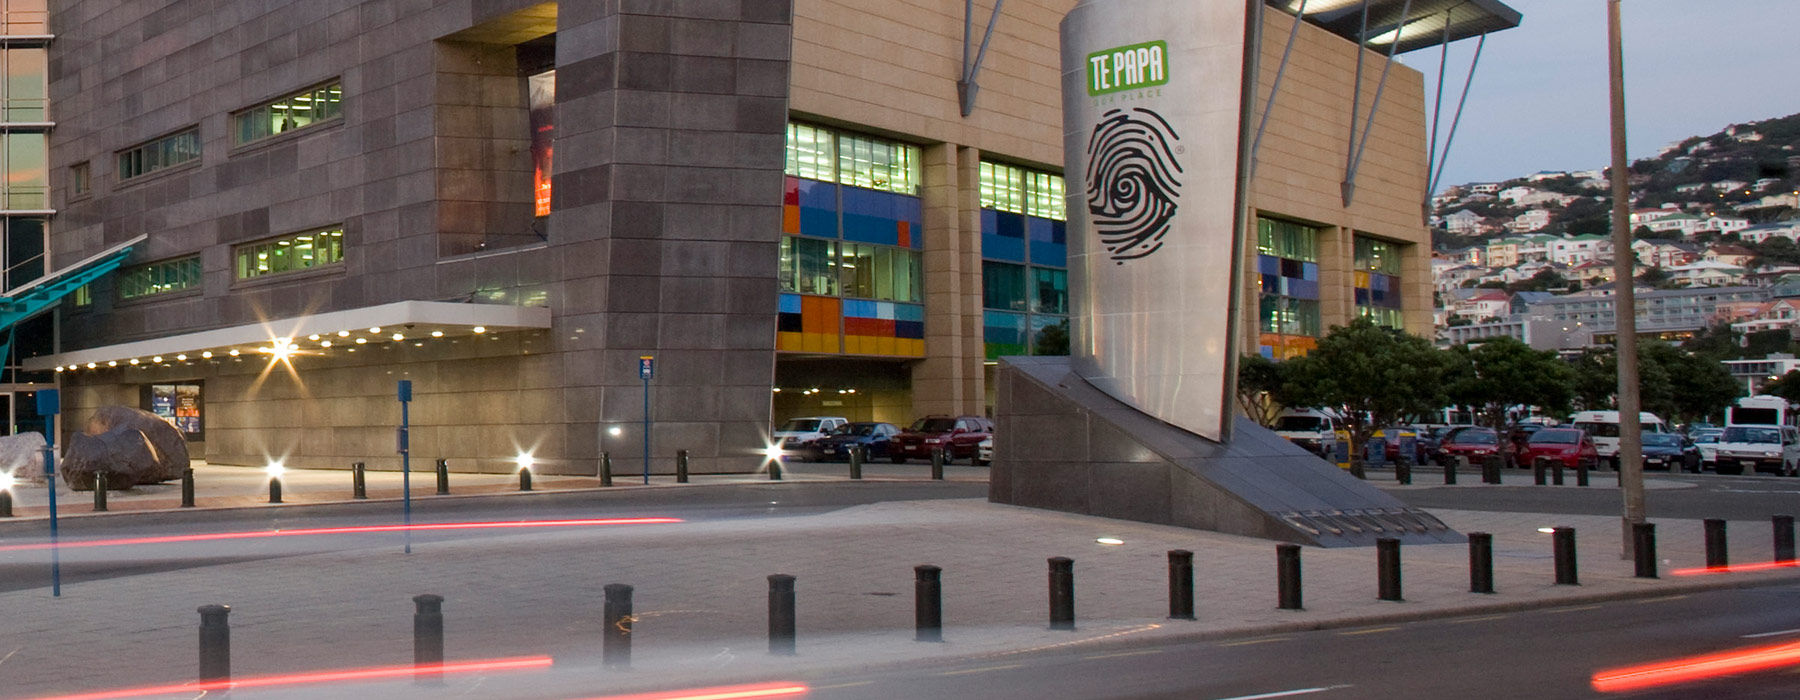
point(1299, 424)
point(1556, 437)
point(859, 429)
point(1706, 439)
point(1662, 440)
point(1479, 436)
point(933, 425)
point(1752, 435)
point(800, 425)
point(1604, 430)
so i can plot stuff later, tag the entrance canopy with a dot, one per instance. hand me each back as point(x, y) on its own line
point(405, 321)
point(40, 295)
point(1415, 24)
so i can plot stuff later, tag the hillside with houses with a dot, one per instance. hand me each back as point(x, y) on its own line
point(1715, 222)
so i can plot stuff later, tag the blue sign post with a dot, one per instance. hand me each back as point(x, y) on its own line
point(403, 440)
point(49, 404)
point(646, 371)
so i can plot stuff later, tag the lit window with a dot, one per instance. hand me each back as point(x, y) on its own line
point(811, 153)
point(160, 278)
point(291, 253)
point(166, 152)
point(1020, 191)
point(297, 111)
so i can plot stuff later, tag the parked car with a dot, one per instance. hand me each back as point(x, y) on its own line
point(797, 435)
point(958, 436)
point(1761, 447)
point(1396, 436)
point(1313, 430)
point(1571, 445)
point(1476, 444)
point(875, 438)
point(1670, 451)
point(984, 453)
point(1520, 436)
point(1707, 441)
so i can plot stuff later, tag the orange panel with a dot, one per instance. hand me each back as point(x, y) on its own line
point(790, 219)
point(905, 234)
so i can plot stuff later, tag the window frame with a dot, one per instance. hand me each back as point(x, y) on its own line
point(120, 155)
point(274, 243)
point(192, 285)
point(237, 117)
point(81, 180)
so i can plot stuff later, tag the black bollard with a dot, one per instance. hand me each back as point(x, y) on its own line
point(524, 478)
point(6, 503)
point(1490, 471)
point(215, 644)
point(1181, 584)
point(428, 638)
point(187, 487)
point(1563, 539)
point(1556, 472)
point(937, 464)
point(1481, 562)
point(1062, 593)
point(1450, 471)
point(1540, 471)
point(606, 469)
point(928, 603)
point(1716, 558)
point(443, 477)
point(100, 492)
point(274, 489)
point(1287, 573)
point(775, 469)
point(1387, 564)
point(856, 460)
point(681, 466)
point(1784, 539)
point(781, 615)
point(1581, 473)
point(615, 638)
point(1356, 468)
point(1643, 548)
point(1403, 472)
point(359, 481)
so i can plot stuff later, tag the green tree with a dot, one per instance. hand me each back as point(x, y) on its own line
point(1763, 343)
point(1052, 340)
point(1693, 387)
point(1787, 387)
point(1657, 278)
point(1261, 386)
point(1372, 376)
point(1502, 373)
point(1596, 379)
point(1718, 342)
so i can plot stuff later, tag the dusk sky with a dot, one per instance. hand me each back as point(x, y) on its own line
point(1540, 94)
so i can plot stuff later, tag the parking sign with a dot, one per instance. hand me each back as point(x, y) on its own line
point(646, 367)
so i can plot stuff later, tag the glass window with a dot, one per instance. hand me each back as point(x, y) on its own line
point(160, 278)
point(1003, 286)
point(1017, 190)
point(878, 164)
point(166, 152)
point(27, 183)
point(809, 266)
point(24, 18)
point(27, 85)
point(297, 111)
point(1286, 239)
point(24, 245)
point(1050, 291)
point(882, 272)
point(1289, 316)
point(541, 98)
point(811, 153)
point(84, 296)
point(290, 253)
point(1377, 256)
point(80, 179)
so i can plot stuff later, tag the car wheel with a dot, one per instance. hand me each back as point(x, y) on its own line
point(949, 457)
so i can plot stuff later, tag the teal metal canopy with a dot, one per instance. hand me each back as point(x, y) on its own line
point(39, 296)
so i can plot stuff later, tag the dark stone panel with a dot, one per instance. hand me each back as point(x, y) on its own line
point(1138, 492)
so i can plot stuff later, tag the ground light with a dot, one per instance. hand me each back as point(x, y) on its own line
point(1110, 541)
point(615, 431)
point(7, 481)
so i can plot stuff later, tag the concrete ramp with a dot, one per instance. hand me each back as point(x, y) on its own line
point(1061, 444)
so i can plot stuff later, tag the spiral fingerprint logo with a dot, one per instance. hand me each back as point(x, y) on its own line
point(1132, 182)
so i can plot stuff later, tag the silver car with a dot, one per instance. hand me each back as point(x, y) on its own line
point(984, 453)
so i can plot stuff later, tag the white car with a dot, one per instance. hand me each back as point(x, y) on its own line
point(797, 435)
point(1771, 448)
point(984, 453)
point(1708, 442)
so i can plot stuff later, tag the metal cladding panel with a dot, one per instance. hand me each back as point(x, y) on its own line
point(1153, 120)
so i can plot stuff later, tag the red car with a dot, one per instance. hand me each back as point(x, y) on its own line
point(958, 437)
point(1571, 445)
point(1475, 444)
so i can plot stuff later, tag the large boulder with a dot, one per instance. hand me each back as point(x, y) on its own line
point(22, 456)
point(131, 446)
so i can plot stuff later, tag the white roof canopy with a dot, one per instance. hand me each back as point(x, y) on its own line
point(412, 321)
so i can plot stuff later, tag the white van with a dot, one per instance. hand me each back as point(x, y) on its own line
point(1603, 426)
point(1764, 448)
point(1313, 430)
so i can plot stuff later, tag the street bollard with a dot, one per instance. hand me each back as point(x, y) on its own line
point(1784, 539)
point(1387, 564)
point(606, 469)
point(1563, 539)
point(1287, 571)
point(359, 481)
point(937, 464)
point(1490, 471)
point(443, 477)
point(1403, 472)
point(1450, 471)
point(274, 489)
point(1481, 562)
point(1540, 471)
point(524, 478)
point(856, 461)
point(187, 487)
point(6, 503)
point(99, 492)
point(615, 638)
point(928, 603)
point(781, 615)
point(428, 638)
point(1556, 472)
point(1581, 473)
point(1716, 557)
point(1062, 593)
point(1181, 584)
point(215, 644)
point(681, 466)
point(1643, 548)
point(775, 469)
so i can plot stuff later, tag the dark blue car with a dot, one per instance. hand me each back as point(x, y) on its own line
point(1670, 451)
point(875, 437)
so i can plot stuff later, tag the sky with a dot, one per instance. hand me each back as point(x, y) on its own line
point(1539, 101)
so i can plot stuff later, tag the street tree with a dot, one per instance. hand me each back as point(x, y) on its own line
point(1372, 376)
point(1787, 386)
point(1697, 387)
point(1502, 373)
point(1261, 386)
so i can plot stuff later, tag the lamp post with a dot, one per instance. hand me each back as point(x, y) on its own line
point(1631, 467)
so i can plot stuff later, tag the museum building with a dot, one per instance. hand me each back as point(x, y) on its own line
point(264, 215)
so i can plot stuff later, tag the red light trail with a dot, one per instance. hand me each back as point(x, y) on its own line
point(737, 692)
point(1737, 568)
point(1696, 668)
point(357, 530)
point(359, 674)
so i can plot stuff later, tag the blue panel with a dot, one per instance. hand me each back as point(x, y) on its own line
point(1009, 225)
point(790, 303)
point(872, 217)
point(1362, 297)
point(859, 309)
point(1268, 264)
point(1309, 271)
point(1004, 328)
point(1302, 289)
point(912, 211)
point(818, 209)
point(1045, 249)
point(989, 221)
point(909, 312)
point(1271, 284)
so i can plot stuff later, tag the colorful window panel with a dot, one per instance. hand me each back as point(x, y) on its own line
point(1005, 334)
point(1288, 278)
point(1049, 242)
point(810, 208)
point(809, 324)
point(1286, 347)
point(884, 328)
point(885, 218)
point(1003, 235)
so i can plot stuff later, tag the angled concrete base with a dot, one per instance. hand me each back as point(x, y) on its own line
point(1061, 444)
